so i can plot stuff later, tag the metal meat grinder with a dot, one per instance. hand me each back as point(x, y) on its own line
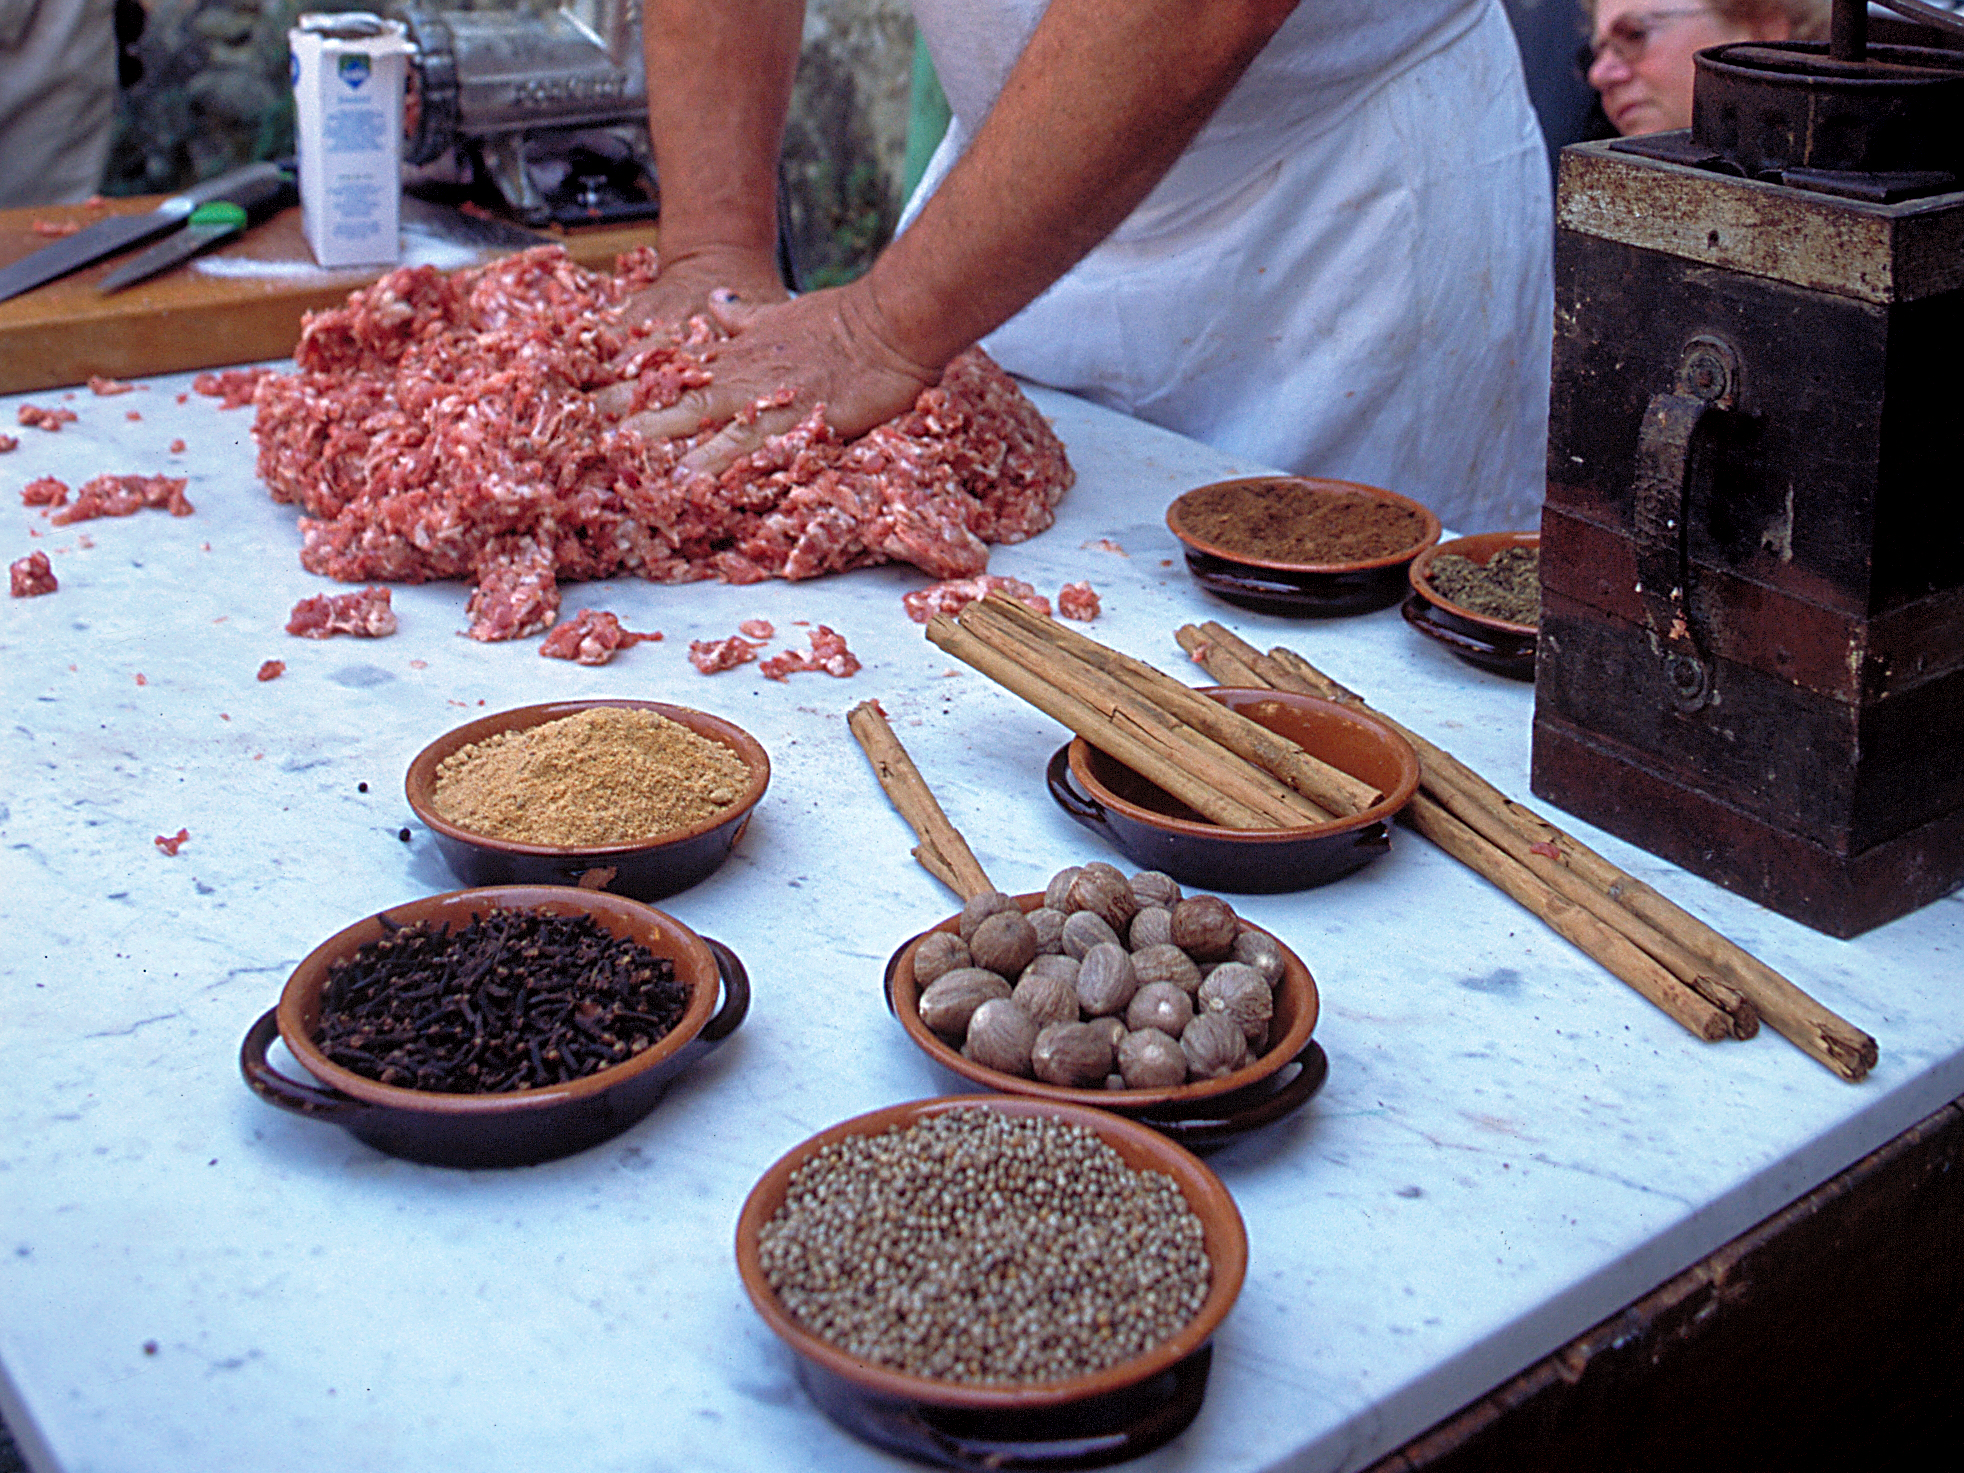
point(1751, 658)
point(550, 109)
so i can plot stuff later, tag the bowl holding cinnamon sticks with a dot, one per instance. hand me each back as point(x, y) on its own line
point(1159, 831)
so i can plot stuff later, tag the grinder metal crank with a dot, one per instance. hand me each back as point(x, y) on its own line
point(1751, 657)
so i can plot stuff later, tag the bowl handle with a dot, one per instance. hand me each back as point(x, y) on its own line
point(1079, 804)
point(736, 994)
point(290, 1094)
point(1313, 1067)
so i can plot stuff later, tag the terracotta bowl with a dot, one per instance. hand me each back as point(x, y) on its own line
point(1493, 644)
point(1160, 832)
point(1200, 1114)
point(646, 869)
point(1301, 590)
point(520, 1127)
point(1104, 1417)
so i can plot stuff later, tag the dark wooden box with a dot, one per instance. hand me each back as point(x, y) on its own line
point(1752, 641)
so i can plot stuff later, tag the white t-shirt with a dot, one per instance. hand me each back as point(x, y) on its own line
point(1346, 274)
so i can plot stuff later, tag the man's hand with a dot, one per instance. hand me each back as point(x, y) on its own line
point(824, 348)
point(683, 288)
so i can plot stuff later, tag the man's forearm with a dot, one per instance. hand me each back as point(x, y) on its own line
point(719, 83)
point(1101, 104)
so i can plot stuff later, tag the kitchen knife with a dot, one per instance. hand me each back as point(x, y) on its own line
point(119, 233)
point(211, 222)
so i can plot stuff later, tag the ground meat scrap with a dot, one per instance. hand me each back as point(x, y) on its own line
point(442, 427)
point(827, 654)
point(31, 576)
point(366, 615)
point(591, 637)
point(955, 594)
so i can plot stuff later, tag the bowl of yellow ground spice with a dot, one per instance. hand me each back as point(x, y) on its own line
point(638, 797)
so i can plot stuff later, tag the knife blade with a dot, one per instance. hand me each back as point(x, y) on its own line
point(107, 237)
point(209, 224)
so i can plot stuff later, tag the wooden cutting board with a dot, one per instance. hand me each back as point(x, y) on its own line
point(61, 333)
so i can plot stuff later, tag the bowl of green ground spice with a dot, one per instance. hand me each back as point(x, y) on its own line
point(638, 797)
point(496, 1027)
point(996, 1281)
point(1480, 597)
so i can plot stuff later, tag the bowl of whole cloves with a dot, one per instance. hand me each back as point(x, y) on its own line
point(1123, 993)
point(496, 1027)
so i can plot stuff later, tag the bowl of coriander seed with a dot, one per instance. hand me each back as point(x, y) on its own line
point(993, 1281)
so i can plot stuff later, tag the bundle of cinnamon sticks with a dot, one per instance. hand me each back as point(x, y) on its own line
point(1711, 986)
point(1231, 770)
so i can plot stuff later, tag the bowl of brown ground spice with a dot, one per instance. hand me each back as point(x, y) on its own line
point(989, 1281)
point(638, 797)
point(1301, 546)
point(1480, 597)
point(496, 1027)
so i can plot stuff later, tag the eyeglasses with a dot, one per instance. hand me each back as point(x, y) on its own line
point(1628, 35)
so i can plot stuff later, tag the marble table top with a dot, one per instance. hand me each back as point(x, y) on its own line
point(1510, 1145)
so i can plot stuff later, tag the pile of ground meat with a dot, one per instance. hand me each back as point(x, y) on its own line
point(441, 427)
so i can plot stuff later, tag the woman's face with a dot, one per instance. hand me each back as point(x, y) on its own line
point(1643, 51)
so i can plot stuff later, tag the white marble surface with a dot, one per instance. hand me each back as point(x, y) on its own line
point(1510, 1145)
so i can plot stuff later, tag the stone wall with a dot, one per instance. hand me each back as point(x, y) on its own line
point(214, 95)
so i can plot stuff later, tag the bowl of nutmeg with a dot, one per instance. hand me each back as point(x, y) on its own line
point(1301, 546)
point(1120, 992)
point(638, 797)
point(1110, 1257)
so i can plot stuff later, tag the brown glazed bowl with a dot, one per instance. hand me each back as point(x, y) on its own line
point(646, 869)
point(1301, 590)
point(1103, 1417)
point(1160, 832)
point(518, 1127)
point(1199, 1114)
point(1493, 644)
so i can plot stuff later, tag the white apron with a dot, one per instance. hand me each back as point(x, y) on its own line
point(1347, 273)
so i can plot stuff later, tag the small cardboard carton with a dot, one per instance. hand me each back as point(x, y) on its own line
point(348, 70)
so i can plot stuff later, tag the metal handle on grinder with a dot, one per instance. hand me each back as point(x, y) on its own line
point(1707, 381)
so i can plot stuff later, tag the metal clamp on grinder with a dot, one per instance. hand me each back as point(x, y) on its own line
point(1751, 657)
point(550, 111)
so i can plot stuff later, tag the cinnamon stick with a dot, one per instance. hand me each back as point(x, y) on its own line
point(1108, 736)
point(1614, 951)
point(1329, 787)
point(1722, 968)
point(942, 852)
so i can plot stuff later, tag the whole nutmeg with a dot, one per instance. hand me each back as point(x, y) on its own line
point(952, 998)
point(1049, 926)
point(939, 952)
point(1105, 980)
point(1260, 951)
point(1000, 1036)
point(1166, 963)
point(1160, 1005)
point(1072, 1054)
point(1005, 943)
point(1101, 867)
point(1237, 989)
point(1152, 926)
point(1114, 1029)
point(1106, 894)
point(1214, 1045)
point(1084, 930)
point(1057, 892)
point(978, 908)
point(1048, 996)
point(1149, 1059)
point(1156, 887)
point(1204, 928)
